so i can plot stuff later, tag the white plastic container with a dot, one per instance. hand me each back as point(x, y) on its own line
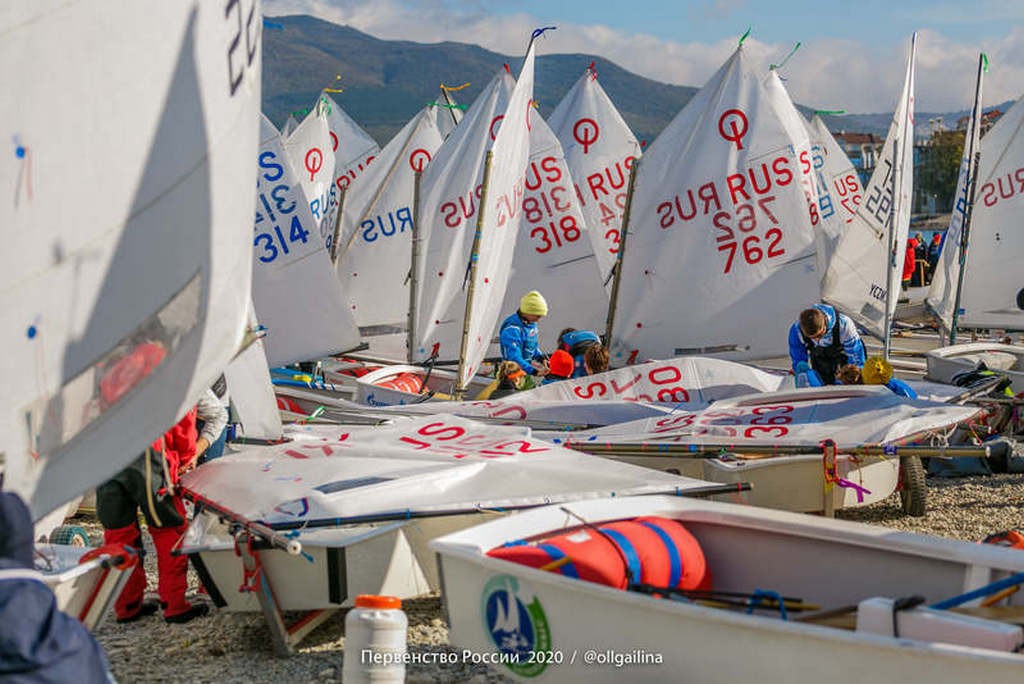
point(875, 616)
point(375, 635)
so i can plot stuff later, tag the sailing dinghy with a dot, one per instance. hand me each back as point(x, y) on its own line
point(351, 509)
point(716, 592)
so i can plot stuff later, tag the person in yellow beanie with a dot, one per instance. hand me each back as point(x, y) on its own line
point(519, 335)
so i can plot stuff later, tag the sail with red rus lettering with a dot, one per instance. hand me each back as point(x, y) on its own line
point(310, 151)
point(796, 129)
point(863, 278)
point(502, 218)
point(375, 237)
point(992, 295)
point(599, 150)
point(128, 227)
point(554, 253)
point(353, 149)
point(450, 190)
point(720, 239)
point(288, 258)
point(839, 189)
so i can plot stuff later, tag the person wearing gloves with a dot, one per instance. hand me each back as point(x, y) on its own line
point(821, 341)
point(520, 337)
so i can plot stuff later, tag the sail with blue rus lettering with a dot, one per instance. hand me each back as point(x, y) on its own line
point(554, 253)
point(450, 191)
point(124, 291)
point(599, 151)
point(375, 238)
point(295, 292)
point(720, 234)
point(311, 152)
point(992, 295)
point(353, 150)
point(502, 218)
point(839, 189)
point(866, 268)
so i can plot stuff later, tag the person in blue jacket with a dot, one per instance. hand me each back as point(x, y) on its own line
point(576, 342)
point(821, 341)
point(38, 642)
point(519, 336)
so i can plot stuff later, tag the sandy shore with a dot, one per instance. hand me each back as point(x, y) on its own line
point(231, 647)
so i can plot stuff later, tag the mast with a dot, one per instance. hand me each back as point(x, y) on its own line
point(893, 262)
point(617, 268)
point(973, 163)
point(337, 226)
point(460, 389)
point(413, 271)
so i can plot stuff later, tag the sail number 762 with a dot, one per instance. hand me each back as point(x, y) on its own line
point(752, 247)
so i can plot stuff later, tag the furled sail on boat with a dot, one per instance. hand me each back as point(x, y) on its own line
point(599, 151)
point(290, 261)
point(992, 295)
point(124, 292)
point(863, 277)
point(375, 237)
point(720, 233)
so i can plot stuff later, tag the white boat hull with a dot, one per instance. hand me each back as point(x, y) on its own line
point(86, 590)
point(577, 631)
point(1005, 359)
point(789, 483)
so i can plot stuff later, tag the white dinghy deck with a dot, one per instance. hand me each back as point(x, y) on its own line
point(572, 630)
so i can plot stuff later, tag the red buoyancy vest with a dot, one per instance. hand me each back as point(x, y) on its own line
point(648, 550)
point(179, 444)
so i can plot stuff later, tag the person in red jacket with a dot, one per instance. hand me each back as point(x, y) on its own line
point(149, 483)
point(909, 260)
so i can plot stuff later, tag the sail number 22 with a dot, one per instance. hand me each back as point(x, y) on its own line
point(752, 247)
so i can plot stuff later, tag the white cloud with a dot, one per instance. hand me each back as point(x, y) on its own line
point(827, 73)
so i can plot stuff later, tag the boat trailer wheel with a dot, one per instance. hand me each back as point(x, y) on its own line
point(913, 488)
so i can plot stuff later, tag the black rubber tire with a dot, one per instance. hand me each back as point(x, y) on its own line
point(913, 488)
point(70, 535)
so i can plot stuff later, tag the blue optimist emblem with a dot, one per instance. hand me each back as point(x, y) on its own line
point(515, 621)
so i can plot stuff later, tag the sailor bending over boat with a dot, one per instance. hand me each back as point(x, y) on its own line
point(520, 337)
point(821, 341)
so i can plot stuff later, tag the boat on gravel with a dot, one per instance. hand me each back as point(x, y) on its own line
point(657, 588)
point(1004, 359)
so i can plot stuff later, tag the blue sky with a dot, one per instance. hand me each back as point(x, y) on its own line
point(853, 52)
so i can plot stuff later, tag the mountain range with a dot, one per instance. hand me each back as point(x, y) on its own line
point(386, 82)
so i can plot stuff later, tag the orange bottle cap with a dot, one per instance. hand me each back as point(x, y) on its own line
point(373, 601)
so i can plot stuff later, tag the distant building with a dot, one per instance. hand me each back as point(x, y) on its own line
point(863, 150)
point(988, 119)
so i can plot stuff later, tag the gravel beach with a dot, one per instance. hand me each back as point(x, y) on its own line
point(232, 647)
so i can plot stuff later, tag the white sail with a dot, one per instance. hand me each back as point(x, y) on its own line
point(428, 465)
point(449, 200)
point(502, 217)
point(720, 234)
point(447, 112)
point(852, 416)
point(290, 125)
point(866, 269)
point(839, 189)
point(311, 153)
point(554, 253)
point(353, 149)
point(375, 248)
point(599, 150)
point(251, 392)
point(297, 296)
point(128, 227)
point(993, 295)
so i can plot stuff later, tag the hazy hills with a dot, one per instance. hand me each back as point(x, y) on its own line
point(386, 82)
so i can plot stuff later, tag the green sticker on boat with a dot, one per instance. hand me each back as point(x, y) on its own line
point(515, 621)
